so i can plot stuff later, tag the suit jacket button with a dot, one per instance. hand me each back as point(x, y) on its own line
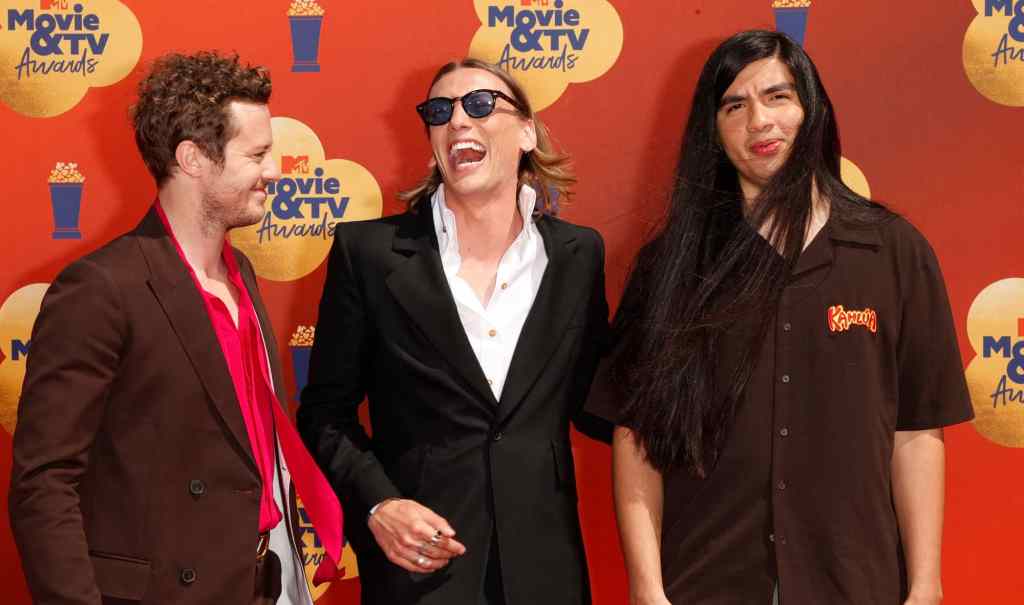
point(187, 576)
point(196, 487)
point(497, 436)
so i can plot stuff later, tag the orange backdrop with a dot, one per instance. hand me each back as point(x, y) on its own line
point(928, 95)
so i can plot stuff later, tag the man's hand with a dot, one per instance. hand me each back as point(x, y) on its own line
point(413, 537)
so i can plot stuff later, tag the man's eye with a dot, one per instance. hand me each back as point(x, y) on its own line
point(733, 107)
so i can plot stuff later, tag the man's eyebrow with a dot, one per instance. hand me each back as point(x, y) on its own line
point(785, 86)
point(729, 99)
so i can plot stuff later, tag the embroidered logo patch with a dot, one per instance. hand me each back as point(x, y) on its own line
point(841, 319)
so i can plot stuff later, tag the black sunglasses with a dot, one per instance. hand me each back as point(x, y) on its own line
point(476, 104)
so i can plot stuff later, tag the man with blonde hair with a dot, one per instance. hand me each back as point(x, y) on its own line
point(472, 323)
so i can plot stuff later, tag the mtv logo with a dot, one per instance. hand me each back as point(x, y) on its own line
point(59, 5)
point(297, 164)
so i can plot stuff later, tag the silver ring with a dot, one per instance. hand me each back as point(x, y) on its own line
point(421, 561)
point(435, 538)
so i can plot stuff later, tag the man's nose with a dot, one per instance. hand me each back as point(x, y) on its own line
point(758, 118)
point(271, 169)
point(459, 117)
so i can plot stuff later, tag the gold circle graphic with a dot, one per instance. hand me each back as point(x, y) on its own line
point(288, 247)
point(585, 46)
point(43, 86)
point(993, 60)
point(854, 178)
point(998, 401)
point(17, 316)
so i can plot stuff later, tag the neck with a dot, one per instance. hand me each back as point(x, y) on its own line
point(486, 226)
point(816, 218)
point(201, 241)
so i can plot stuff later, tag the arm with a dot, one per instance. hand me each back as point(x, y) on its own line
point(918, 483)
point(328, 421)
point(75, 352)
point(595, 343)
point(638, 507)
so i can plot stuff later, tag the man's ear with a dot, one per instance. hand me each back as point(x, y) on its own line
point(528, 137)
point(191, 160)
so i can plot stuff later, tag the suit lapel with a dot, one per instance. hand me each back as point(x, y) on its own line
point(557, 301)
point(184, 307)
point(421, 288)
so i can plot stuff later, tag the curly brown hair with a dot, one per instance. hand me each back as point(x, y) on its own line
point(186, 98)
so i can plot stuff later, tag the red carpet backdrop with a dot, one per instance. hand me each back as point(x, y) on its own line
point(929, 97)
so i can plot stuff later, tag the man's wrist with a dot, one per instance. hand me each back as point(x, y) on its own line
point(376, 507)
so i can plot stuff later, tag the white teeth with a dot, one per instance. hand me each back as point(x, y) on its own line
point(466, 145)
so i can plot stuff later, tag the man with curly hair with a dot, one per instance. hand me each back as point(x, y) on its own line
point(152, 457)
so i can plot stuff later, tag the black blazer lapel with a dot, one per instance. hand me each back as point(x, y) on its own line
point(183, 304)
point(421, 288)
point(558, 299)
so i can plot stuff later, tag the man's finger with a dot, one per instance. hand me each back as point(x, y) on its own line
point(438, 523)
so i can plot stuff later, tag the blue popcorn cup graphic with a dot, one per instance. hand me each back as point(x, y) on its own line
point(305, 42)
point(792, 22)
point(300, 364)
point(66, 199)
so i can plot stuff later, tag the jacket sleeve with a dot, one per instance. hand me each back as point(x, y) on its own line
point(594, 344)
point(328, 417)
point(74, 356)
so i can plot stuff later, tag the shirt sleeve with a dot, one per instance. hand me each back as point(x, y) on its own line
point(932, 389)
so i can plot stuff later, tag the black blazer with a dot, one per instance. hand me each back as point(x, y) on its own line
point(389, 330)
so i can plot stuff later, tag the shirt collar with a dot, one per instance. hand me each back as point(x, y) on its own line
point(444, 219)
point(844, 231)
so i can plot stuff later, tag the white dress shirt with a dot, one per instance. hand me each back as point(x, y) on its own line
point(493, 330)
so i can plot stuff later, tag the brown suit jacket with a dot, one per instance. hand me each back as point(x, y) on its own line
point(133, 476)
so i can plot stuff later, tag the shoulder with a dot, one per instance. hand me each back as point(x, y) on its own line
point(373, 232)
point(588, 237)
point(116, 261)
point(907, 243)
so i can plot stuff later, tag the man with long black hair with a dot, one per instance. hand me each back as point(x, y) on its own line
point(785, 361)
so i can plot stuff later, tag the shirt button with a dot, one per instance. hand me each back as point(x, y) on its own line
point(492, 333)
point(497, 436)
point(781, 485)
point(785, 377)
point(504, 286)
point(787, 326)
point(771, 537)
point(196, 487)
point(784, 432)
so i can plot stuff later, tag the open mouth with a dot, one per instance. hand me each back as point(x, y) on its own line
point(466, 154)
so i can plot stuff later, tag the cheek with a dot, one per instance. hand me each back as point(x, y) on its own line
point(794, 120)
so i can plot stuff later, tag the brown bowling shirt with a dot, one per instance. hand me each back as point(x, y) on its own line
point(863, 345)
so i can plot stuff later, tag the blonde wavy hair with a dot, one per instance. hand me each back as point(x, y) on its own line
point(548, 171)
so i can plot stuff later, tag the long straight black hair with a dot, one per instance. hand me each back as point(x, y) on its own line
point(707, 269)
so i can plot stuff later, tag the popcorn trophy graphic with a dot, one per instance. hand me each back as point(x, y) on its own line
point(791, 18)
point(305, 18)
point(66, 198)
point(301, 345)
